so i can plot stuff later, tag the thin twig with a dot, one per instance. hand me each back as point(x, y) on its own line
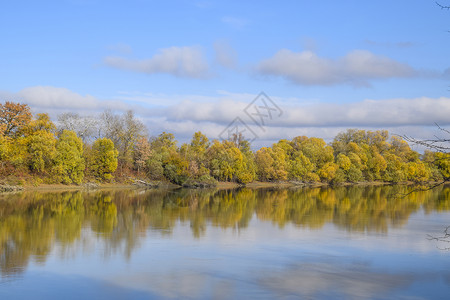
point(442, 6)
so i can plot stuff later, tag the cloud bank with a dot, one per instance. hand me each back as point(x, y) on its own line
point(390, 112)
point(183, 115)
point(356, 68)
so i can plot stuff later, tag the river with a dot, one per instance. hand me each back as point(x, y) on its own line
point(310, 243)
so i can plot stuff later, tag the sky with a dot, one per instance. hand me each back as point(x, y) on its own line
point(267, 69)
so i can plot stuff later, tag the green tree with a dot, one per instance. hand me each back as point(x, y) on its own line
point(163, 147)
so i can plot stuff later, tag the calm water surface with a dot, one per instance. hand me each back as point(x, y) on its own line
point(323, 243)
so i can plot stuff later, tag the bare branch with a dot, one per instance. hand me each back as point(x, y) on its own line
point(438, 143)
point(443, 129)
point(435, 144)
point(442, 6)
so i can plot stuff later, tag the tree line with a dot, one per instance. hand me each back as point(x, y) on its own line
point(33, 149)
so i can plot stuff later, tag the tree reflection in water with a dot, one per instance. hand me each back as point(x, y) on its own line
point(32, 223)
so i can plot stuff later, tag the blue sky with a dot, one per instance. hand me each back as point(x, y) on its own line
point(184, 66)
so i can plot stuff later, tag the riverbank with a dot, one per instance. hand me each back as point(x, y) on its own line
point(167, 185)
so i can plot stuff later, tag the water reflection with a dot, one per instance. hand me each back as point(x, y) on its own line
point(31, 224)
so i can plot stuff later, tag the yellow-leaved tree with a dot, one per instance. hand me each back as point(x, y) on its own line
point(40, 142)
point(69, 162)
point(103, 159)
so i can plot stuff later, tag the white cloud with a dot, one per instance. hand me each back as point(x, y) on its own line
point(186, 62)
point(356, 68)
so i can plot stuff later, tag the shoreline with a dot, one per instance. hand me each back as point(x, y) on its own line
point(219, 186)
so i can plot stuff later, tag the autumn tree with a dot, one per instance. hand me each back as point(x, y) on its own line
point(301, 168)
point(69, 161)
point(141, 154)
point(366, 153)
point(249, 173)
point(296, 164)
point(176, 168)
point(198, 146)
point(319, 157)
point(40, 141)
point(265, 164)
point(166, 161)
point(227, 163)
point(271, 163)
point(13, 117)
point(103, 159)
point(195, 154)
